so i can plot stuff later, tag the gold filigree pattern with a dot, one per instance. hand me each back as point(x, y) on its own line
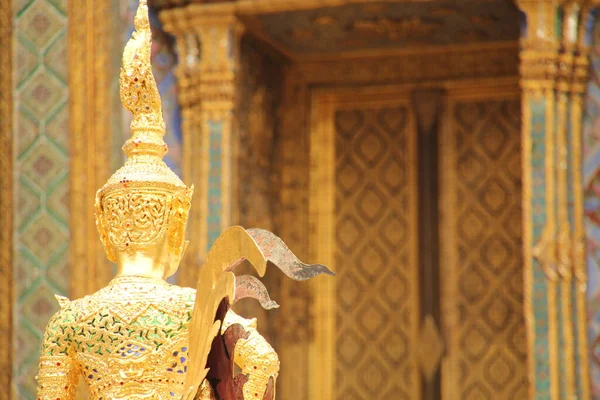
point(139, 93)
point(137, 218)
point(255, 357)
point(116, 340)
point(131, 339)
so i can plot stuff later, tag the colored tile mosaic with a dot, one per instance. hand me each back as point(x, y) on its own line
point(215, 203)
point(540, 289)
point(41, 187)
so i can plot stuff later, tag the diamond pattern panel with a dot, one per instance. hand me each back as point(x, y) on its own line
point(41, 23)
point(55, 57)
point(27, 59)
point(490, 287)
point(43, 165)
point(41, 188)
point(42, 93)
point(376, 243)
point(29, 131)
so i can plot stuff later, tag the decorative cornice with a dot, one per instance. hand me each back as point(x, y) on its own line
point(446, 64)
point(270, 6)
point(208, 40)
point(172, 4)
point(208, 36)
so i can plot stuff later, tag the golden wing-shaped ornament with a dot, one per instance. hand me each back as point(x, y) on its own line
point(216, 284)
point(217, 288)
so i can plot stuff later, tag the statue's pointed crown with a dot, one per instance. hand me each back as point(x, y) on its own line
point(145, 148)
point(134, 206)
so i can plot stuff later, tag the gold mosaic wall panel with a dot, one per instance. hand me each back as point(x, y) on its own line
point(375, 254)
point(483, 289)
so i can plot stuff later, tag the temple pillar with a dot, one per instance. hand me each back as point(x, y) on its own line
point(553, 76)
point(208, 45)
point(579, 80)
point(91, 140)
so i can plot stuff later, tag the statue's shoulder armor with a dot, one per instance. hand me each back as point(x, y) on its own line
point(56, 336)
point(232, 318)
point(62, 301)
point(62, 315)
point(186, 292)
point(67, 311)
point(78, 308)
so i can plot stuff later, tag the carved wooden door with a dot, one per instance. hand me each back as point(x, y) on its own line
point(415, 202)
point(482, 292)
point(364, 155)
point(376, 252)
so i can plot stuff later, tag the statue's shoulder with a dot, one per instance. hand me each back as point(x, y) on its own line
point(185, 294)
point(67, 307)
point(75, 310)
point(64, 316)
point(62, 301)
point(232, 318)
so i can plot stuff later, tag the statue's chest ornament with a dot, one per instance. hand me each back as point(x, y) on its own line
point(135, 369)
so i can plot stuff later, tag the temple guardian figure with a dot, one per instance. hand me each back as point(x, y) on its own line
point(140, 337)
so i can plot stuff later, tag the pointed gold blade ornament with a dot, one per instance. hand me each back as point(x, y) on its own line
point(217, 288)
point(216, 282)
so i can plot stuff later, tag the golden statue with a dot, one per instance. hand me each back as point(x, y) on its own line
point(140, 337)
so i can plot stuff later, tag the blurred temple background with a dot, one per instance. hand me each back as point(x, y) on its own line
point(443, 156)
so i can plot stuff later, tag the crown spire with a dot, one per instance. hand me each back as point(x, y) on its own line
point(144, 197)
point(139, 92)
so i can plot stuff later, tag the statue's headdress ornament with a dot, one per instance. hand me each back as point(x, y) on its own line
point(134, 207)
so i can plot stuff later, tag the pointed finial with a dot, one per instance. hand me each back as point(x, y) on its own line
point(139, 92)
